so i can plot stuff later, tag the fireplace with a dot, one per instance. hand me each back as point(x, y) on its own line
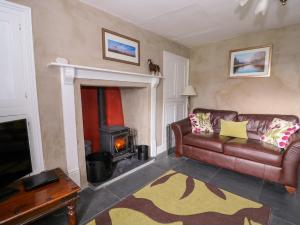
point(72, 77)
point(117, 140)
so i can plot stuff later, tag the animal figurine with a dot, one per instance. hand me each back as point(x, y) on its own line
point(154, 68)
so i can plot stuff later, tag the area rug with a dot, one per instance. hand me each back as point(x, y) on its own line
point(177, 199)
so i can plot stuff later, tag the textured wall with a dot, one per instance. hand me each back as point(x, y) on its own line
point(279, 93)
point(137, 113)
point(70, 29)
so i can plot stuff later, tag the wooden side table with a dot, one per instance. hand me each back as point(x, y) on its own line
point(25, 207)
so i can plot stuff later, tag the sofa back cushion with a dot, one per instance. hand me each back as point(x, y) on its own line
point(258, 124)
point(217, 115)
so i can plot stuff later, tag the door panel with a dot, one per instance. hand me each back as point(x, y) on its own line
point(181, 110)
point(171, 112)
point(169, 81)
point(12, 85)
point(176, 75)
point(181, 79)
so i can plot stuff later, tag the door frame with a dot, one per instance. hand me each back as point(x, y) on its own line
point(31, 89)
point(163, 147)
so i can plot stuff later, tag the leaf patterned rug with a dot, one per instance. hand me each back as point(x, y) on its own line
point(177, 199)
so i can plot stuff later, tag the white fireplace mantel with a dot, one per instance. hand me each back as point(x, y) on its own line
point(68, 74)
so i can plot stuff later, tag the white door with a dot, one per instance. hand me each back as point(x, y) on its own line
point(175, 74)
point(12, 89)
point(18, 98)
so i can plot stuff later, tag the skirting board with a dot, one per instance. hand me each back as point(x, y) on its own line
point(121, 176)
point(161, 149)
point(75, 176)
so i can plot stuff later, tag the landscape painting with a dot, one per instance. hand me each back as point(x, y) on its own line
point(120, 48)
point(251, 62)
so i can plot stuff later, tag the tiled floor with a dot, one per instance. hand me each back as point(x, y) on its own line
point(285, 207)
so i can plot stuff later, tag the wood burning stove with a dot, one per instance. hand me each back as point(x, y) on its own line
point(114, 139)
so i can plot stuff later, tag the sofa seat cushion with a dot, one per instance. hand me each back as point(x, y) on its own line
point(210, 141)
point(254, 150)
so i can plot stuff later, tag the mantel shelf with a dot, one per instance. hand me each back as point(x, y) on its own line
point(78, 67)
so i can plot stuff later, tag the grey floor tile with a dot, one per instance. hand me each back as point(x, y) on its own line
point(289, 213)
point(133, 182)
point(283, 204)
point(243, 185)
point(276, 195)
point(197, 170)
point(168, 163)
point(92, 202)
point(153, 172)
point(278, 221)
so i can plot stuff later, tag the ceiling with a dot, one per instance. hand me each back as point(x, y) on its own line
point(195, 22)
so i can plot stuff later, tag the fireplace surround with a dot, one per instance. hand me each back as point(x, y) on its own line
point(74, 144)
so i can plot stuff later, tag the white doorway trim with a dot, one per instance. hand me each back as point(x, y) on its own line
point(166, 55)
point(31, 91)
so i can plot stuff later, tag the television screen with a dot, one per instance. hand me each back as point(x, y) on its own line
point(15, 159)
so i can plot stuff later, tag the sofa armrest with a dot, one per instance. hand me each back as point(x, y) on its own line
point(291, 161)
point(180, 129)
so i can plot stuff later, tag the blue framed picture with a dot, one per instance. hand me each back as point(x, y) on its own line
point(250, 62)
point(120, 48)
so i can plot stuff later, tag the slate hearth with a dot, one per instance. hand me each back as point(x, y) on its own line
point(121, 167)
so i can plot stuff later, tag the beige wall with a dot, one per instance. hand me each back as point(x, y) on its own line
point(136, 104)
point(70, 29)
point(278, 94)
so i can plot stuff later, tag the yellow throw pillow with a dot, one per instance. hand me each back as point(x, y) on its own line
point(234, 129)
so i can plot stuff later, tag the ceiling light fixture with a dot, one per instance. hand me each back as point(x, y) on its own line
point(283, 2)
point(262, 5)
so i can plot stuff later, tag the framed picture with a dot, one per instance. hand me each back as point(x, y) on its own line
point(120, 48)
point(250, 62)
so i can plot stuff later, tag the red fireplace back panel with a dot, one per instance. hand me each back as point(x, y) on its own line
point(90, 116)
point(114, 109)
point(114, 112)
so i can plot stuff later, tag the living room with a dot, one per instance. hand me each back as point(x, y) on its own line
point(84, 74)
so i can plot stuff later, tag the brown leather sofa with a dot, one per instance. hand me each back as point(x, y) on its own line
point(249, 156)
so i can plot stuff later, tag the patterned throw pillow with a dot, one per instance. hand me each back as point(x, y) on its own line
point(279, 132)
point(200, 123)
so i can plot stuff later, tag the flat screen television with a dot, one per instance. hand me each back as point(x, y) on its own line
point(15, 161)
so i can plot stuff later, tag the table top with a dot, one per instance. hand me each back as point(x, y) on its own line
point(25, 202)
